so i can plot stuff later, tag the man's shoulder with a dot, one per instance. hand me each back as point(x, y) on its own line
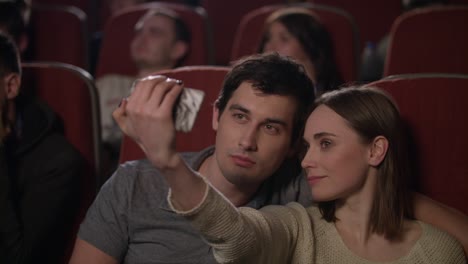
point(141, 174)
point(134, 171)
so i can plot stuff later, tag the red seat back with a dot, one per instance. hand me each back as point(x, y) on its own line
point(71, 94)
point(373, 18)
point(114, 56)
point(339, 24)
point(431, 39)
point(225, 17)
point(435, 108)
point(206, 78)
point(59, 33)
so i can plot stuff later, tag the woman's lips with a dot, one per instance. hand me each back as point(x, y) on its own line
point(314, 179)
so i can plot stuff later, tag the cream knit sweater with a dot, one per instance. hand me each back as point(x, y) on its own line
point(294, 234)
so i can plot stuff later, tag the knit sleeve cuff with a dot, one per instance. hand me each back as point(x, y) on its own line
point(195, 209)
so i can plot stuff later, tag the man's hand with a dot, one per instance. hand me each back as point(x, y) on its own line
point(146, 117)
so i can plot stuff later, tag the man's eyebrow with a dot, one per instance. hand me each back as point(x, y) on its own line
point(266, 121)
point(323, 134)
point(276, 121)
point(239, 107)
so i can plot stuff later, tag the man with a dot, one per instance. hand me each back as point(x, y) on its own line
point(130, 220)
point(258, 117)
point(161, 42)
point(40, 175)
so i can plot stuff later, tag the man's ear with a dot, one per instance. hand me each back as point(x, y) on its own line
point(12, 85)
point(179, 50)
point(214, 121)
point(378, 150)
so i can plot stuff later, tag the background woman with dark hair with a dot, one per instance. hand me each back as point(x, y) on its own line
point(297, 33)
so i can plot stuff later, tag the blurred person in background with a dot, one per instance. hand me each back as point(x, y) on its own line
point(296, 32)
point(161, 42)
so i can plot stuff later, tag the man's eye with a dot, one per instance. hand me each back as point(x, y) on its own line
point(239, 116)
point(271, 129)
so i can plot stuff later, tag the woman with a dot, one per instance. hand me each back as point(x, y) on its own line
point(356, 168)
point(297, 33)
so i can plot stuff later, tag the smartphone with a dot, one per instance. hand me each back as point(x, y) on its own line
point(186, 107)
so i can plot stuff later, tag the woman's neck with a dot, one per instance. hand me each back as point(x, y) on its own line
point(354, 222)
point(353, 215)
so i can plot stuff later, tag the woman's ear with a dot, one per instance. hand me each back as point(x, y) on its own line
point(12, 85)
point(378, 150)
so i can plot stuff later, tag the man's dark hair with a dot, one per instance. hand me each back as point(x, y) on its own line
point(272, 74)
point(9, 61)
point(11, 20)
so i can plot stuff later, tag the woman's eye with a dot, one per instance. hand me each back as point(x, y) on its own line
point(325, 144)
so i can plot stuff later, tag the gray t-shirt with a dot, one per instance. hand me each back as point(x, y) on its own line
point(131, 220)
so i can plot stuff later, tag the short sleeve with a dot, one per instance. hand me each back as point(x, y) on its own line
point(106, 223)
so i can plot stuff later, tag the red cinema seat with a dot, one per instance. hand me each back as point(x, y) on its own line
point(71, 94)
point(432, 39)
point(434, 106)
point(373, 18)
point(59, 33)
point(225, 17)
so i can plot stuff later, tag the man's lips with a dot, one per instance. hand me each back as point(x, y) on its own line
point(242, 161)
point(314, 179)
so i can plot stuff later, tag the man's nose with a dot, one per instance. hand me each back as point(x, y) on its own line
point(248, 140)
